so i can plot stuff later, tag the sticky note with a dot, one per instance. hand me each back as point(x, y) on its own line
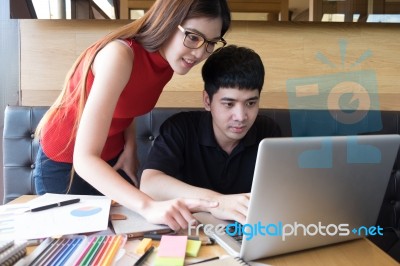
point(166, 261)
point(144, 245)
point(171, 251)
point(193, 248)
point(172, 246)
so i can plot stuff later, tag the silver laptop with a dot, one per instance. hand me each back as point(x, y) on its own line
point(309, 192)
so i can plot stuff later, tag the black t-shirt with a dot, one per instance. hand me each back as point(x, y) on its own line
point(187, 150)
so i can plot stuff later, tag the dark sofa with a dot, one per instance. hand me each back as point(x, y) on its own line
point(19, 150)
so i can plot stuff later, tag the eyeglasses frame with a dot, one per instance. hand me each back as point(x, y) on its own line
point(187, 32)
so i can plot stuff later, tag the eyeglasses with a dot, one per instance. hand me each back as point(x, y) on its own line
point(194, 40)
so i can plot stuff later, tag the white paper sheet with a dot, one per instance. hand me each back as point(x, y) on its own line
point(91, 214)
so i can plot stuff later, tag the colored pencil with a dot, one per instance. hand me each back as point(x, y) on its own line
point(71, 247)
point(92, 252)
point(84, 252)
point(103, 250)
point(45, 253)
point(53, 257)
point(115, 245)
point(100, 246)
point(106, 250)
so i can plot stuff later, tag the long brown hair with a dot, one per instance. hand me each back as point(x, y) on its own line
point(151, 31)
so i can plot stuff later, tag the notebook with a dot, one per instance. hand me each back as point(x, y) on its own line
point(133, 224)
point(231, 261)
point(12, 251)
point(309, 192)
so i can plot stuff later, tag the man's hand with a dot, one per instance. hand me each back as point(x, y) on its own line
point(231, 207)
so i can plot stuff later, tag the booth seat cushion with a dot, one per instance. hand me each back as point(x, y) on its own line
point(19, 150)
point(20, 147)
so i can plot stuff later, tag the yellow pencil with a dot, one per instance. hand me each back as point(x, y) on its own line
point(115, 245)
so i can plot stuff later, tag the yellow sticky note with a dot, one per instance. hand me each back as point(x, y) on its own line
point(193, 248)
point(169, 261)
point(144, 245)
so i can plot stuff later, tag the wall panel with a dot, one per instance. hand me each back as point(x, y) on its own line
point(289, 51)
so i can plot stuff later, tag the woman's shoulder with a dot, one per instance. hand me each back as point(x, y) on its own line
point(113, 53)
point(121, 45)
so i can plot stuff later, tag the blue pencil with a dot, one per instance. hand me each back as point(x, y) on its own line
point(59, 246)
point(71, 247)
point(61, 252)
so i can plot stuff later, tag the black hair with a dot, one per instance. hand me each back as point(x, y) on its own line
point(233, 67)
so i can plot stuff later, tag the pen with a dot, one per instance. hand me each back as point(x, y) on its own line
point(204, 240)
point(143, 258)
point(58, 204)
point(210, 259)
point(158, 237)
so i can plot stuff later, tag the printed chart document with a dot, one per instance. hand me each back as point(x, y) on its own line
point(90, 214)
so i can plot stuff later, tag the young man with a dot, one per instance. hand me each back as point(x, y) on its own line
point(211, 154)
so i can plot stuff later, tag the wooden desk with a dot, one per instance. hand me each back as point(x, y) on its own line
point(355, 252)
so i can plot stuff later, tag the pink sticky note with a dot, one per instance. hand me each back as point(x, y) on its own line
point(172, 246)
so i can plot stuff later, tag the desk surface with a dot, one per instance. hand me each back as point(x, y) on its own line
point(355, 252)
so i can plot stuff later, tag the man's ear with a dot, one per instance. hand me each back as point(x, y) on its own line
point(206, 100)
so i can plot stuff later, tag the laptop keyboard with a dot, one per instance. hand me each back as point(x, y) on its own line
point(238, 237)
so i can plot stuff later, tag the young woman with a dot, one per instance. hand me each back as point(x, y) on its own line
point(87, 138)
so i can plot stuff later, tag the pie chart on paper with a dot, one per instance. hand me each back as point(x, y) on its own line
point(85, 211)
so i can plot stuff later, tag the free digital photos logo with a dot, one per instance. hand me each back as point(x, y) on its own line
point(282, 230)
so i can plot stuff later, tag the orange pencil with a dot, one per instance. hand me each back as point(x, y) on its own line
point(106, 250)
point(109, 256)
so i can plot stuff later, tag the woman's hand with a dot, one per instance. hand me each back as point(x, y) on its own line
point(176, 213)
point(129, 163)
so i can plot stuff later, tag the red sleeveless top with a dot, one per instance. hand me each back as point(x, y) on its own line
point(150, 73)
